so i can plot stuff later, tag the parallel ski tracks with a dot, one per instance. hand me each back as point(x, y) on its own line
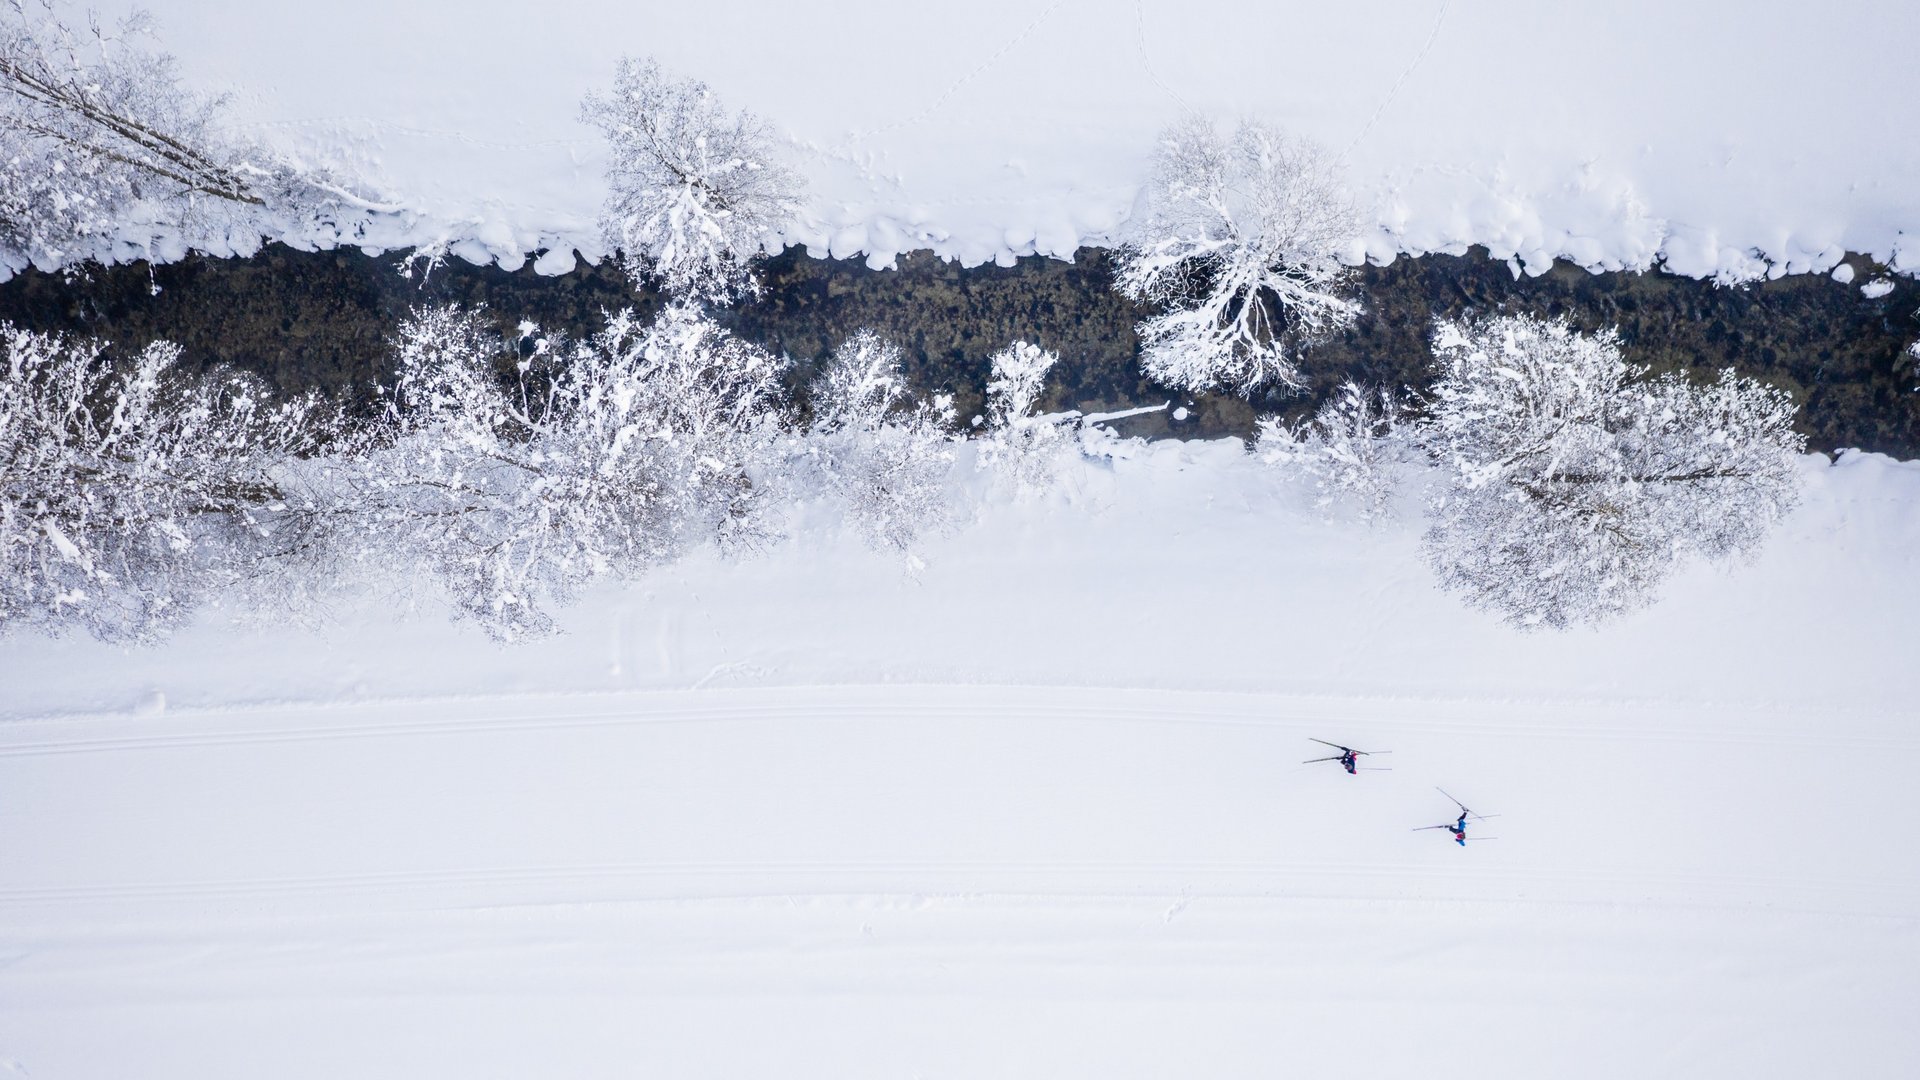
point(906, 712)
point(470, 887)
point(485, 887)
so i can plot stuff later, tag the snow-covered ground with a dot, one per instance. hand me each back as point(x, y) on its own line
point(1038, 812)
point(1724, 136)
point(1039, 808)
point(1719, 137)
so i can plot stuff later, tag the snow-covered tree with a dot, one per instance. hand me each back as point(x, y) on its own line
point(101, 146)
point(696, 192)
point(131, 494)
point(1023, 445)
point(880, 451)
point(1576, 482)
point(1354, 448)
point(1241, 247)
point(517, 481)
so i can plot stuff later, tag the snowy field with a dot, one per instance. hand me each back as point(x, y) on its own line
point(1033, 803)
point(1038, 812)
point(1721, 136)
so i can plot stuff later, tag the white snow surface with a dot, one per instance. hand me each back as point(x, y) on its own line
point(1039, 811)
point(1726, 138)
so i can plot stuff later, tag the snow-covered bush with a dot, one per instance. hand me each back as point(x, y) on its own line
point(696, 194)
point(130, 495)
point(1575, 482)
point(1241, 246)
point(885, 455)
point(1353, 448)
point(102, 150)
point(601, 458)
point(1021, 445)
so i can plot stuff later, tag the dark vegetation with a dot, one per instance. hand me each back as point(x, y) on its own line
point(321, 320)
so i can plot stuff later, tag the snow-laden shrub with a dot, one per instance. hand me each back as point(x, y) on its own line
point(882, 453)
point(1021, 445)
point(1575, 482)
point(103, 152)
point(598, 459)
point(1354, 449)
point(1241, 247)
point(132, 494)
point(696, 193)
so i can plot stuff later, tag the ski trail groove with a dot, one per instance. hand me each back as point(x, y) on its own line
point(918, 713)
point(1281, 874)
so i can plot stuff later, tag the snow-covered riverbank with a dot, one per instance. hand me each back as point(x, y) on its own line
point(1179, 566)
point(1025, 797)
point(1715, 136)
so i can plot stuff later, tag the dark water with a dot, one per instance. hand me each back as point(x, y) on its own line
point(321, 320)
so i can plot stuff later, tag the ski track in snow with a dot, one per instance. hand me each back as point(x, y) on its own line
point(949, 713)
point(773, 712)
point(669, 880)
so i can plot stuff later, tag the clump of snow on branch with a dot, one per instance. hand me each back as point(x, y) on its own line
point(696, 194)
point(580, 461)
point(1241, 248)
point(881, 452)
point(1575, 482)
point(1022, 445)
point(104, 155)
point(133, 494)
point(1354, 448)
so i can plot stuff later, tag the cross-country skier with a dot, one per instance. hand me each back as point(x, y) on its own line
point(1458, 829)
point(1348, 757)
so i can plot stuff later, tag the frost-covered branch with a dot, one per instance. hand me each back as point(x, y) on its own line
point(102, 98)
point(597, 459)
point(131, 495)
point(883, 454)
point(1241, 248)
point(696, 194)
point(102, 146)
point(1021, 444)
point(1576, 482)
point(1354, 448)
